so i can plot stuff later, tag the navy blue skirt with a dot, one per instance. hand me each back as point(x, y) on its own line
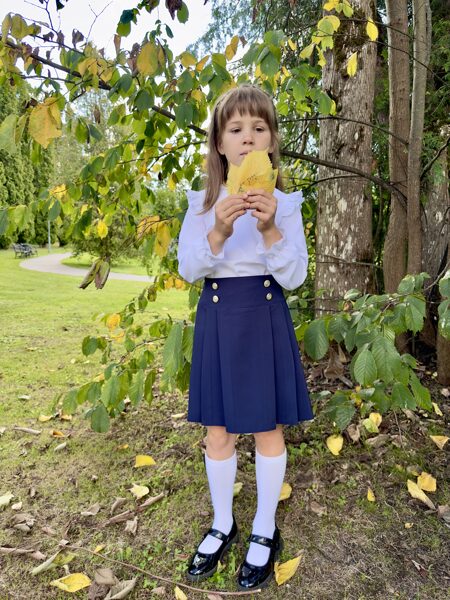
point(246, 371)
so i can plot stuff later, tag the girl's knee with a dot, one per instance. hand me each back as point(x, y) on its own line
point(270, 443)
point(219, 441)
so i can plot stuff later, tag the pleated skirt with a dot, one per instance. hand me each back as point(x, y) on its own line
point(246, 370)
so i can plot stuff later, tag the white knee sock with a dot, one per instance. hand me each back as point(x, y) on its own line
point(270, 471)
point(221, 475)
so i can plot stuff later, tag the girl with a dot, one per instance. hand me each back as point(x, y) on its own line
point(246, 374)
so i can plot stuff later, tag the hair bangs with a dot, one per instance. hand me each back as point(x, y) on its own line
point(247, 100)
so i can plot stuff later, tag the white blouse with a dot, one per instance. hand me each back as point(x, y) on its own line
point(244, 252)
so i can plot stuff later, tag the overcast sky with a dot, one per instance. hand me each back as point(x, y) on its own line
point(80, 14)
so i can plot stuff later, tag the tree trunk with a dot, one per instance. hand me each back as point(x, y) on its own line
point(422, 24)
point(395, 246)
point(344, 214)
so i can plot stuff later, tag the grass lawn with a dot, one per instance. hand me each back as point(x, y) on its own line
point(352, 548)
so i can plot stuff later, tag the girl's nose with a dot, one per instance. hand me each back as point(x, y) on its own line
point(248, 137)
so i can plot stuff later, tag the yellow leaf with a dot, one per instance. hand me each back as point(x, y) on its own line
point(286, 73)
point(322, 62)
point(123, 447)
point(44, 418)
point(231, 49)
point(237, 488)
point(45, 122)
point(56, 433)
point(292, 45)
point(113, 321)
point(162, 239)
point(199, 66)
point(335, 443)
point(258, 72)
point(439, 440)
point(99, 548)
point(179, 594)
point(255, 172)
point(286, 570)
point(370, 495)
point(187, 59)
point(306, 52)
point(331, 5)
point(139, 490)
point(198, 95)
point(426, 482)
point(371, 29)
point(352, 64)
point(171, 183)
point(6, 499)
point(143, 460)
point(59, 191)
point(72, 583)
point(286, 491)
point(376, 418)
point(408, 525)
point(146, 226)
point(88, 65)
point(417, 493)
point(147, 61)
point(102, 229)
point(437, 410)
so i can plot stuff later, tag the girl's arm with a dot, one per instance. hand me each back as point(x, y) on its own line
point(287, 258)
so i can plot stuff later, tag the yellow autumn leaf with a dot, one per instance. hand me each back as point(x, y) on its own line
point(408, 525)
point(335, 443)
point(162, 239)
point(286, 491)
point(171, 183)
point(147, 61)
point(376, 418)
point(146, 226)
point(88, 65)
point(45, 122)
point(187, 59)
point(58, 434)
point(322, 62)
point(179, 594)
point(113, 321)
point(102, 229)
point(417, 493)
point(331, 5)
point(292, 45)
point(99, 548)
point(286, 570)
point(6, 499)
point(139, 490)
point(59, 191)
point(437, 410)
point(255, 172)
point(44, 418)
point(198, 95)
point(307, 51)
point(371, 29)
point(231, 49)
point(201, 63)
point(72, 583)
point(439, 440)
point(370, 495)
point(144, 460)
point(123, 447)
point(426, 482)
point(352, 64)
point(237, 488)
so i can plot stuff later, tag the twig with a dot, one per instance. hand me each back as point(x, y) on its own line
point(399, 430)
point(158, 577)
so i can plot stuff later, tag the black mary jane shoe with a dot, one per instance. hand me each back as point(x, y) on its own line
point(204, 565)
point(251, 577)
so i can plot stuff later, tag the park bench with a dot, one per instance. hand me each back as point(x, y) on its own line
point(24, 250)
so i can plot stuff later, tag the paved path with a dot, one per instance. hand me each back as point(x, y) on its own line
point(51, 263)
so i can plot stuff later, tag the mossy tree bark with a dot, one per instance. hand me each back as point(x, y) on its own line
point(344, 214)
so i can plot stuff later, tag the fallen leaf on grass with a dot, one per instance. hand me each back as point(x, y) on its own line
point(444, 512)
point(144, 460)
point(335, 443)
point(24, 397)
point(370, 495)
point(214, 597)
point(426, 482)
point(57, 433)
point(131, 526)
point(286, 491)
point(44, 418)
point(354, 432)
point(417, 493)
point(317, 509)
point(159, 591)
point(378, 440)
point(445, 392)
point(237, 488)
point(286, 570)
point(48, 564)
point(437, 410)
point(99, 548)
point(118, 502)
point(17, 506)
point(28, 430)
point(91, 511)
point(2, 430)
point(178, 415)
point(408, 525)
point(60, 447)
point(179, 594)
point(6, 499)
point(139, 490)
point(121, 590)
point(439, 440)
point(72, 583)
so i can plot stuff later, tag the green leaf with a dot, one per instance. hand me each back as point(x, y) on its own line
point(143, 100)
point(315, 340)
point(340, 409)
point(443, 310)
point(100, 419)
point(188, 342)
point(421, 393)
point(380, 400)
point(148, 388)
point(384, 353)
point(136, 391)
point(444, 285)
point(402, 397)
point(415, 313)
point(365, 369)
point(89, 345)
point(407, 285)
point(185, 82)
point(337, 327)
point(270, 65)
point(70, 402)
point(183, 115)
point(183, 13)
point(325, 104)
point(110, 391)
point(173, 351)
point(54, 211)
point(7, 134)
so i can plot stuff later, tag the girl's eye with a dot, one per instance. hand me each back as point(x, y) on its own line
point(235, 130)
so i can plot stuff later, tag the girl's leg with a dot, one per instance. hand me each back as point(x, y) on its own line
point(221, 466)
point(270, 462)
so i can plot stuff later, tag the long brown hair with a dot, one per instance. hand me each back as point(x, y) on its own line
point(244, 99)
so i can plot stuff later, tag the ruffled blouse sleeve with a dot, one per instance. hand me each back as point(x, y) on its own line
point(195, 257)
point(287, 259)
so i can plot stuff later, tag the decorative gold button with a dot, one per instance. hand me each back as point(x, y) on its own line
point(266, 282)
point(215, 298)
point(269, 296)
point(214, 286)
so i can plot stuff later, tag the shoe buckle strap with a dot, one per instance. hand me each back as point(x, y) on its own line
point(260, 539)
point(217, 534)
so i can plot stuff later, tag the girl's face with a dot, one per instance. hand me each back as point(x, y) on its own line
point(241, 135)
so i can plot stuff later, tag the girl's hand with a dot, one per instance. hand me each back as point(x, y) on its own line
point(264, 207)
point(227, 211)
